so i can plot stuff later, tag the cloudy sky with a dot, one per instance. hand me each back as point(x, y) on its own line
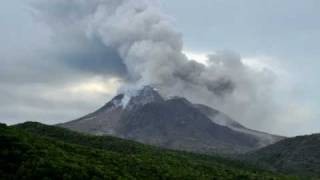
point(51, 73)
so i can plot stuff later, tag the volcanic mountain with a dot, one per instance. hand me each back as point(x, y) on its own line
point(145, 116)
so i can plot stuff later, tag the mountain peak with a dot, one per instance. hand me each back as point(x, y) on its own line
point(137, 97)
point(147, 91)
point(143, 115)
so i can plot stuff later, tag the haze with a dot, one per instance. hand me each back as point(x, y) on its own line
point(54, 71)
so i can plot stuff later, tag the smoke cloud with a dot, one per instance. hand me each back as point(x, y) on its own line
point(133, 40)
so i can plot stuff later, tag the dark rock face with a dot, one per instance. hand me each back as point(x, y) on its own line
point(175, 123)
point(178, 125)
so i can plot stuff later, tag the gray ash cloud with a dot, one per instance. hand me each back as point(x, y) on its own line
point(133, 40)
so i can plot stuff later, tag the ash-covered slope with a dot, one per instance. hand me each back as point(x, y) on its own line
point(175, 123)
point(223, 120)
point(109, 118)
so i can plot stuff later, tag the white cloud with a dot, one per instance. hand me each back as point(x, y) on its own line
point(197, 56)
point(95, 85)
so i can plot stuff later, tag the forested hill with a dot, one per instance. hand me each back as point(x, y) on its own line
point(36, 151)
point(298, 155)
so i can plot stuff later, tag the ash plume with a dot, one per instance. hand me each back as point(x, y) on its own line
point(137, 43)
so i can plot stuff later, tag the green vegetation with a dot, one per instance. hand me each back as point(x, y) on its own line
point(36, 151)
point(298, 156)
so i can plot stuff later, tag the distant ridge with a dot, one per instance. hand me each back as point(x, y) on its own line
point(298, 155)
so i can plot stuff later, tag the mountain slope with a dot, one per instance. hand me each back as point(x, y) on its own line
point(223, 120)
point(299, 155)
point(174, 123)
point(36, 151)
point(107, 119)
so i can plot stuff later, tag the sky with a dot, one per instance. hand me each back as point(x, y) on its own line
point(45, 77)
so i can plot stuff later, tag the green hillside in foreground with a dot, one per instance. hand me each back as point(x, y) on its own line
point(36, 151)
point(299, 156)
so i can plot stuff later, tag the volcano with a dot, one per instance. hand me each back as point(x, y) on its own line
point(175, 123)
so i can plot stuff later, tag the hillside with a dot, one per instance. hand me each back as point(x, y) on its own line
point(299, 155)
point(36, 151)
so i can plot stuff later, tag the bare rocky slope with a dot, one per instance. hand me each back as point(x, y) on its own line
point(175, 123)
